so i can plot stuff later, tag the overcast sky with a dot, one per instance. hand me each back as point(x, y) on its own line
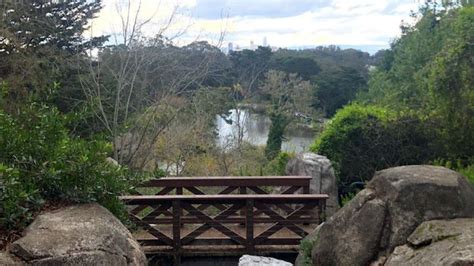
point(364, 24)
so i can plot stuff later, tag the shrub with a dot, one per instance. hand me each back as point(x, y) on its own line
point(465, 170)
point(277, 166)
point(360, 140)
point(468, 172)
point(40, 161)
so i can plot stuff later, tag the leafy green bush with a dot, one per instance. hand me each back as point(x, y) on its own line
point(360, 140)
point(277, 166)
point(468, 172)
point(40, 162)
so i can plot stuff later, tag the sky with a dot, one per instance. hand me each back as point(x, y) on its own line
point(368, 25)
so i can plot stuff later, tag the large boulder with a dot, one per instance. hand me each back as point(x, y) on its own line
point(382, 216)
point(323, 179)
point(9, 260)
point(86, 234)
point(438, 242)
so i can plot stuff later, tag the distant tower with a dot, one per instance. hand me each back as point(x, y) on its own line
point(264, 43)
point(230, 47)
point(252, 45)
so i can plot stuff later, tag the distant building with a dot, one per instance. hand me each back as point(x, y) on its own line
point(230, 47)
point(252, 45)
point(264, 43)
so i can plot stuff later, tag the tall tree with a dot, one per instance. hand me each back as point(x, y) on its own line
point(250, 68)
point(336, 87)
point(38, 40)
point(429, 71)
point(288, 96)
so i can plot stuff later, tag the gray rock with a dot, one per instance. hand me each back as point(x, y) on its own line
point(247, 260)
point(323, 178)
point(382, 216)
point(7, 259)
point(85, 234)
point(438, 242)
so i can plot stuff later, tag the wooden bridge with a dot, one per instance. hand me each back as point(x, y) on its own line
point(224, 215)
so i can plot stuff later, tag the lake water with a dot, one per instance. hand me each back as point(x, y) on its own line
point(256, 127)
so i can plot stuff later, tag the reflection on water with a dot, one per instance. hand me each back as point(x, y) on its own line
point(256, 127)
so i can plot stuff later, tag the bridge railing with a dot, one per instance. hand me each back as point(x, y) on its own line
point(179, 218)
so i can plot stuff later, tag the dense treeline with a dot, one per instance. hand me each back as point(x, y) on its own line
point(69, 102)
point(85, 119)
point(419, 103)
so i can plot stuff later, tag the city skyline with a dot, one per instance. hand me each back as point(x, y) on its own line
point(368, 25)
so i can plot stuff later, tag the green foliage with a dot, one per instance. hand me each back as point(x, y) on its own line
point(19, 201)
point(277, 166)
point(41, 162)
point(275, 135)
point(306, 247)
point(468, 172)
point(303, 66)
point(42, 44)
point(337, 87)
point(360, 140)
point(429, 70)
point(348, 197)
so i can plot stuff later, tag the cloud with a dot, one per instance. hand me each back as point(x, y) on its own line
point(215, 9)
point(285, 23)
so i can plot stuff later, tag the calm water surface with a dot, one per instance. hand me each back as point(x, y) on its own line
point(256, 127)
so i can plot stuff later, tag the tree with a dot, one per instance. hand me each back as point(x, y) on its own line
point(429, 71)
point(38, 41)
point(336, 88)
point(287, 94)
point(250, 68)
point(134, 87)
point(303, 66)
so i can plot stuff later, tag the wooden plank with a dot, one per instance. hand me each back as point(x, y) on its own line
point(277, 217)
point(206, 226)
point(216, 225)
point(292, 190)
point(223, 199)
point(164, 191)
point(227, 190)
point(197, 191)
point(160, 210)
point(225, 181)
point(233, 220)
point(264, 236)
point(249, 226)
point(284, 207)
point(177, 226)
point(156, 233)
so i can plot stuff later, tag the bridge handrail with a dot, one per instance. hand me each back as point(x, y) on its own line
point(272, 198)
point(228, 181)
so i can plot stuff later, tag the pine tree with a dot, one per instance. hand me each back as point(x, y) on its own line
point(41, 45)
point(54, 24)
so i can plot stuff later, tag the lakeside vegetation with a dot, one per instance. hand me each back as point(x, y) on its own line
point(69, 104)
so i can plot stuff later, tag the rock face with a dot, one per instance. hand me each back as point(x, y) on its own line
point(323, 179)
point(7, 259)
point(438, 242)
point(86, 234)
point(247, 260)
point(382, 216)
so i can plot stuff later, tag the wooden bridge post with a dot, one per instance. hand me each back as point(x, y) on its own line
point(179, 191)
point(249, 226)
point(177, 231)
point(242, 191)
